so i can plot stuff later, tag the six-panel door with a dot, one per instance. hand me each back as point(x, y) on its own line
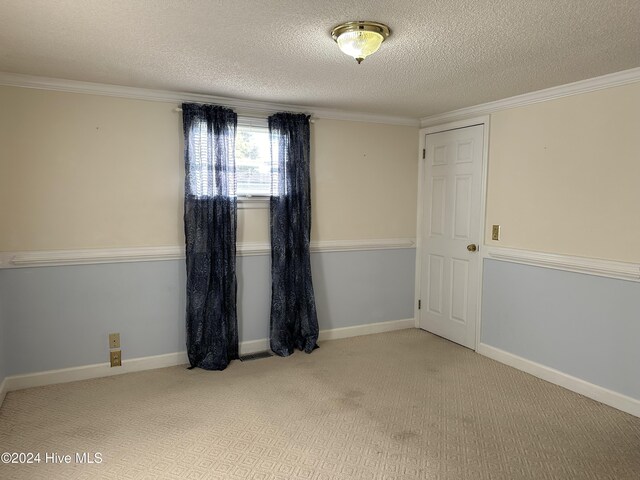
point(452, 233)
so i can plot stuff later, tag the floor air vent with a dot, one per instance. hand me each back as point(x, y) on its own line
point(255, 356)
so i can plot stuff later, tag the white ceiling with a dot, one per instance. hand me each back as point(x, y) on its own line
point(442, 54)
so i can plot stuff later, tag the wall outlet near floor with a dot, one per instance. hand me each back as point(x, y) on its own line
point(495, 232)
point(116, 358)
point(114, 340)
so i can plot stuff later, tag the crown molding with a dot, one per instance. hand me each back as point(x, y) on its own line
point(256, 108)
point(583, 86)
point(92, 256)
point(243, 107)
point(589, 266)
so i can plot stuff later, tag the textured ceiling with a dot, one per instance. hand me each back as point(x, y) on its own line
point(442, 54)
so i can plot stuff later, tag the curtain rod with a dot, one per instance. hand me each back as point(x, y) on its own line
point(311, 120)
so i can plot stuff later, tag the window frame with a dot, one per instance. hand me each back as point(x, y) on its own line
point(253, 201)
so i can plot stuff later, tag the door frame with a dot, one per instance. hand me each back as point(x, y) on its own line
point(482, 246)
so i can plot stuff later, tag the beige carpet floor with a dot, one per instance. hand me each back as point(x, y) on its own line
point(400, 405)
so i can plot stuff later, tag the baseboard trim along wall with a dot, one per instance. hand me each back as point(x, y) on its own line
point(368, 329)
point(589, 266)
point(86, 372)
point(595, 392)
point(92, 256)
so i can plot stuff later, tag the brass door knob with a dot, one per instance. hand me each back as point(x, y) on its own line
point(472, 247)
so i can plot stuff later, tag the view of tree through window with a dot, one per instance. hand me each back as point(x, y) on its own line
point(253, 161)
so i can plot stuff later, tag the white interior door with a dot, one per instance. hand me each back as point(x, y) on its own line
point(451, 235)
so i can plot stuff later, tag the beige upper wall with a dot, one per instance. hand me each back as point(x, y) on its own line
point(564, 175)
point(364, 180)
point(83, 171)
point(363, 184)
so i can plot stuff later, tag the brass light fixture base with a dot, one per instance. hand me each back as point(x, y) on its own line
point(362, 25)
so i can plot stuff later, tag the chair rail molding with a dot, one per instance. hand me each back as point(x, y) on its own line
point(91, 256)
point(589, 266)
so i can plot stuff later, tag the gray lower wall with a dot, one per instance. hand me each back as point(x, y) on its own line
point(582, 325)
point(59, 317)
point(3, 341)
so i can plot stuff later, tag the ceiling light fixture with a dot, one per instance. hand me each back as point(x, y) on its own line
point(360, 39)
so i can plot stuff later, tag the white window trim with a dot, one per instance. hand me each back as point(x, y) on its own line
point(253, 202)
point(253, 121)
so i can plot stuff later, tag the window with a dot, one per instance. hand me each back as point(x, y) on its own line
point(253, 159)
point(253, 162)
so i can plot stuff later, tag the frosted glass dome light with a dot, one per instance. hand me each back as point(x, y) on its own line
point(360, 39)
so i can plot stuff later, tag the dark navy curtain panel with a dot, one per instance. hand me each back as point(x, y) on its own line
point(210, 218)
point(294, 322)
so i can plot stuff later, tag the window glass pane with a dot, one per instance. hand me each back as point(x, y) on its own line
point(201, 179)
point(253, 161)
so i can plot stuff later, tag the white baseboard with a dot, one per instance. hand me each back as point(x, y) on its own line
point(85, 372)
point(595, 392)
point(368, 329)
point(254, 346)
